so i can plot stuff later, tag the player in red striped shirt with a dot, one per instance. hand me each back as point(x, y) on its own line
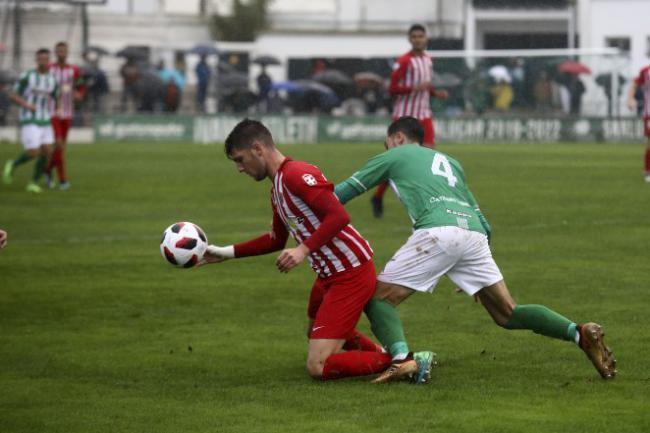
point(412, 88)
point(71, 89)
point(305, 207)
point(643, 82)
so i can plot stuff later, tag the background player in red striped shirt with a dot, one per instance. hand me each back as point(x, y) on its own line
point(643, 82)
point(305, 207)
point(71, 89)
point(411, 85)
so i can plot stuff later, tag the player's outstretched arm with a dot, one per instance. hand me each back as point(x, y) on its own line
point(371, 174)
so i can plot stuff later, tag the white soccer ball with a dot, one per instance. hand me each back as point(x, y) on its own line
point(183, 244)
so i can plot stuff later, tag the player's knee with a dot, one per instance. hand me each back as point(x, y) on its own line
point(315, 368)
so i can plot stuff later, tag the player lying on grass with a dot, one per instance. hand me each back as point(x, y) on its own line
point(304, 205)
point(450, 237)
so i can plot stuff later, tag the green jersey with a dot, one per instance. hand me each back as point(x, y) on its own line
point(430, 184)
point(39, 90)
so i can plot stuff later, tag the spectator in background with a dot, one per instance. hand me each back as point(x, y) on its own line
point(543, 92)
point(203, 75)
point(576, 89)
point(130, 72)
point(174, 83)
point(96, 85)
point(264, 84)
point(502, 95)
point(518, 74)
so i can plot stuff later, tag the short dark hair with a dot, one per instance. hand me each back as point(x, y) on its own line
point(245, 133)
point(416, 27)
point(42, 51)
point(409, 126)
point(61, 44)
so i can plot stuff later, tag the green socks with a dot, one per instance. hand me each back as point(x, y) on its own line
point(387, 326)
point(22, 158)
point(542, 320)
point(39, 167)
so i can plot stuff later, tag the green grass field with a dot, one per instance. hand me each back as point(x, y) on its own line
point(99, 334)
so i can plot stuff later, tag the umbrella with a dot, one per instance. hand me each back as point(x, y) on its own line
point(314, 86)
point(289, 86)
point(7, 77)
point(574, 68)
point(131, 52)
point(500, 73)
point(232, 82)
point(267, 60)
point(206, 49)
point(445, 79)
point(101, 51)
point(368, 79)
point(332, 77)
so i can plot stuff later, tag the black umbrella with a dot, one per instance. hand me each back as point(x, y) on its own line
point(205, 49)
point(133, 53)
point(267, 60)
point(232, 82)
point(333, 77)
point(97, 49)
point(7, 77)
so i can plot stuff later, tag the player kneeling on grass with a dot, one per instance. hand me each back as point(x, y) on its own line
point(35, 92)
point(304, 205)
point(451, 237)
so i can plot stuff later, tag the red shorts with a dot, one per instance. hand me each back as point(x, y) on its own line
point(61, 128)
point(336, 302)
point(646, 126)
point(429, 132)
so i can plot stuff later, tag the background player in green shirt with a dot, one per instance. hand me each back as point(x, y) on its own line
point(34, 92)
point(450, 237)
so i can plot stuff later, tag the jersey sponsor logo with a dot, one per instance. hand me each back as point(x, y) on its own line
point(309, 179)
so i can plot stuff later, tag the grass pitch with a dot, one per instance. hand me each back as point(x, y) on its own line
point(99, 334)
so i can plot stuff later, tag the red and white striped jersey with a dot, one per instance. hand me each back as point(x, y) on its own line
point(408, 71)
point(68, 77)
point(643, 83)
point(297, 186)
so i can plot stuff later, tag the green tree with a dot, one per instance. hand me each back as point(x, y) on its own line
point(247, 20)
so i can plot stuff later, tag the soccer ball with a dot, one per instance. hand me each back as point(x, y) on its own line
point(183, 244)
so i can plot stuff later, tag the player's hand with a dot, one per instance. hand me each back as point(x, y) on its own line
point(78, 96)
point(3, 238)
point(215, 254)
point(441, 94)
point(291, 257)
point(631, 104)
point(30, 107)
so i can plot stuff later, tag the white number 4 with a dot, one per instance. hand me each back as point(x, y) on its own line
point(441, 167)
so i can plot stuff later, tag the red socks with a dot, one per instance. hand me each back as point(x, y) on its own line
point(381, 189)
point(57, 161)
point(355, 363)
point(647, 160)
point(358, 341)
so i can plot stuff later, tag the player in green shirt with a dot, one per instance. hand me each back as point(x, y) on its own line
point(450, 237)
point(34, 92)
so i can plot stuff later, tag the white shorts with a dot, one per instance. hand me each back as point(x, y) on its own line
point(33, 136)
point(463, 255)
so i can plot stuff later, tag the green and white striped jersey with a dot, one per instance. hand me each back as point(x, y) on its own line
point(430, 184)
point(37, 89)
